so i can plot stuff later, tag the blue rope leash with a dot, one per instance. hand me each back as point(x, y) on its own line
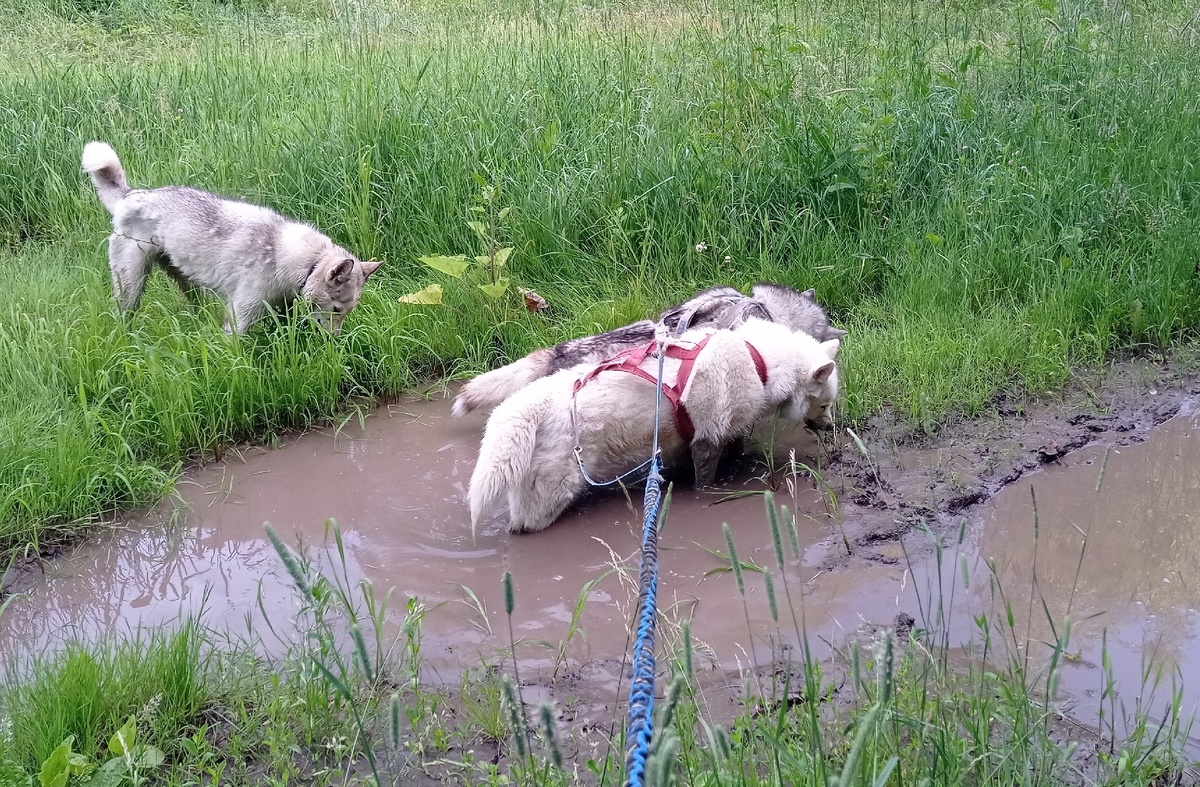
point(641, 688)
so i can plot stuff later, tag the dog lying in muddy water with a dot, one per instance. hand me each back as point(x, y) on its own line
point(717, 382)
point(717, 307)
point(249, 255)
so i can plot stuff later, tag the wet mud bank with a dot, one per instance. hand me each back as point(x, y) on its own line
point(907, 482)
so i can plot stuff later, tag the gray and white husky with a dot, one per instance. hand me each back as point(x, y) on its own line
point(716, 307)
point(247, 254)
point(527, 456)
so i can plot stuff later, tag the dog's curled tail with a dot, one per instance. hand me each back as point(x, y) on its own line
point(505, 454)
point(101, 164)
point(492, 388)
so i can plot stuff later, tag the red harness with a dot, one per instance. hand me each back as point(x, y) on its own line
point(631, 360)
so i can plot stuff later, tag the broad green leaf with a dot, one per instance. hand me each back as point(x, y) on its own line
point(480, 229)
point(430, 296)
point(881, 780)
point(494, 291)
point(503, 212)
point(451, 266)
point(122, 741)
point(840, 186)
point(111, 774)
point(339, 686)
point(150, 757)
point(477, 209)
point(57, 766)
point(80, 764)
point(502, 256)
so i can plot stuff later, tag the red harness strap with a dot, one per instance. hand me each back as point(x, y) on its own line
point(630, 361)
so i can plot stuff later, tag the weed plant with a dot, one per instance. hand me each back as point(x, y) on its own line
point(986, 195)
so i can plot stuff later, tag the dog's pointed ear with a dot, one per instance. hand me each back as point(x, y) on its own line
point(834, 333)
point(340, 273)
point(810, 294)
point(370, 266)
point(831, 347)
point(822, 372)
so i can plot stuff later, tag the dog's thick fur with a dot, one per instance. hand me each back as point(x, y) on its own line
point(527, 452)
point(249, 255)
point(717, 307)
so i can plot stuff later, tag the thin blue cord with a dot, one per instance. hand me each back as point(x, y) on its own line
point(621, 479)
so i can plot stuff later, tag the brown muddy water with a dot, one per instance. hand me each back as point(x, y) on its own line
point(396, 485)
point(397, 489)
point(1116, 550)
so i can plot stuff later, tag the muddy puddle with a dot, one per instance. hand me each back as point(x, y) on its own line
point(396, 485)
point(1117, 551)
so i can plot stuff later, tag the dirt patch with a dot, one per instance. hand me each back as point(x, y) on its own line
point(911, 481)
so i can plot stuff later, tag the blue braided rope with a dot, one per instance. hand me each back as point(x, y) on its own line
point(641, 688)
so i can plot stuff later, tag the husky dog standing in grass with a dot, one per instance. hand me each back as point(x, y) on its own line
point(717, 307)
point(249, 255)
point(736, 377)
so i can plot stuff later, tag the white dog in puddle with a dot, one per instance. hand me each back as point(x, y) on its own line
point(717, 384)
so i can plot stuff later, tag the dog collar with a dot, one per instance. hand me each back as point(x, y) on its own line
point(311, 270)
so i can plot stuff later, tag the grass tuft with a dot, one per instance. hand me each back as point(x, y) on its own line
point(89, 690)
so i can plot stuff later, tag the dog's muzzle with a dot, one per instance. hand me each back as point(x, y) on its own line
point(818, 426)
point(328, 321)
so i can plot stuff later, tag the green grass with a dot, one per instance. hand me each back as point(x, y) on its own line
point(89, 690)
point(987, 196)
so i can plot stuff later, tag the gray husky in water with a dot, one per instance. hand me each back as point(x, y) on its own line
point(248, 254)
point(717, 307)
